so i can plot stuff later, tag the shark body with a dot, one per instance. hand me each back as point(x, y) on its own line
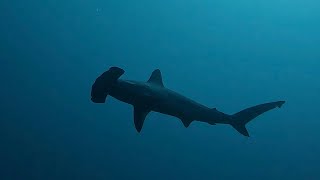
point(152, 95)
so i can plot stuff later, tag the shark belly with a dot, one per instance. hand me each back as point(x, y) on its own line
point(181, 107)
point(161, 100)
point(136, 94)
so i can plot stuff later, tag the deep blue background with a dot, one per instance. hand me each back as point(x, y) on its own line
point(224, 54)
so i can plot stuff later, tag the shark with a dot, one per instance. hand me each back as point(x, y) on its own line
point(152, 95)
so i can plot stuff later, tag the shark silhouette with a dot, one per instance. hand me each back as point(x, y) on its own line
point(154, 96)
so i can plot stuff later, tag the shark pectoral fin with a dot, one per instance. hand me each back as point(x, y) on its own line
point(140, 114)
point(186, 122)
point(156, 78)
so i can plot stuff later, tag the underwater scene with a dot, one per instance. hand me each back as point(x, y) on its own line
point(157, 90)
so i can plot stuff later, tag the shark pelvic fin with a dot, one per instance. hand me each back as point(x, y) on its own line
point(186, 122)
point(156, 78)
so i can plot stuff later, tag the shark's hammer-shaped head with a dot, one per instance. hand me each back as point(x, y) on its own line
point(103, 84)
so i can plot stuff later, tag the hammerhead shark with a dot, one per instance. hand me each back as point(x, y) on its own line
point(152, 95)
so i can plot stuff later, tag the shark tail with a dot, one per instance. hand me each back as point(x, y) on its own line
point(240, 119)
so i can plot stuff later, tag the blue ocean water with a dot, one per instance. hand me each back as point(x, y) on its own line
point(224, 54)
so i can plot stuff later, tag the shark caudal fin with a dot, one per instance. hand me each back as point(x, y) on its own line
point(240, 119)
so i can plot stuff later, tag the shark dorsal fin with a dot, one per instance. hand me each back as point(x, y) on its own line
point(156, 78)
